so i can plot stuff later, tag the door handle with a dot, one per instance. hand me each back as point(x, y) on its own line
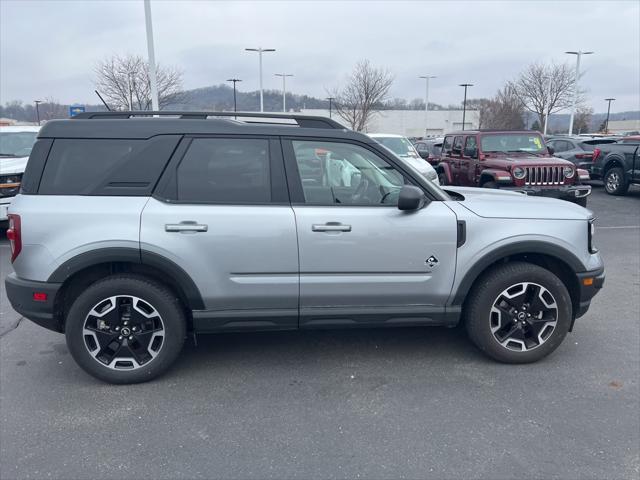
point(185, 227)
point(330, 227)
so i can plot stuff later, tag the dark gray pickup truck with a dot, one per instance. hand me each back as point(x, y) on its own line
point(618, 165)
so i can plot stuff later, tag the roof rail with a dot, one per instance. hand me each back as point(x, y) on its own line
point(305, 121)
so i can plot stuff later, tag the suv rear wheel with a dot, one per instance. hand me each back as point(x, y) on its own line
point(125, 329)
point(518, 313)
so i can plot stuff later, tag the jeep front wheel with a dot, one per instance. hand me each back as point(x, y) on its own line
point(518, 313)
point(125, 329)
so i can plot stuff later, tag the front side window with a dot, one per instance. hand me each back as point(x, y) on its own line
point(398, 145)
point(457, 146)
point(16, 144)
point(345, 174)
point(446, 146)
point(470, 147)
point(512, 143)
point(221, 170)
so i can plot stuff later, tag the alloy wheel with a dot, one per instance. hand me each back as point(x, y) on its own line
point(523, 316)
point(123, 332)
point(613, 181)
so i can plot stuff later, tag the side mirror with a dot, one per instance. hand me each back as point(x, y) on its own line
point(411, 198)
point(424, 154)
point(551, 150)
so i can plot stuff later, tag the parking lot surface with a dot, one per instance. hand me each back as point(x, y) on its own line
point(401, 403)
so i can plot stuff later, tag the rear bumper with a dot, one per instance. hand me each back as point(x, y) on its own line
point(20, 293)
point(590, 283)
point(565, 192)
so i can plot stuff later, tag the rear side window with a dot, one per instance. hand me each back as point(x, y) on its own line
point(222, 170)
point(126, 167)
point(457, 145)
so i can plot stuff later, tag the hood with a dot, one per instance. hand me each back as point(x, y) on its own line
point(12, 165)
point(525, 160)
point(494, 203)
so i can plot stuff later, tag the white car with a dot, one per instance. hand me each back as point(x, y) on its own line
point(15, 146)
point(404, 149)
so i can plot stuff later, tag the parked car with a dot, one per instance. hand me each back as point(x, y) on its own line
point(630, 139)
point(15, 146)
point(578, 150)
point(403, 148)
point(618, 165)
point(430, 150)
point(199, 224)
point(511, 160)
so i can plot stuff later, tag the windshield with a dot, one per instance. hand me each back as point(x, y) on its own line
point(16, 144)
point(398, 145)
point(522, 142)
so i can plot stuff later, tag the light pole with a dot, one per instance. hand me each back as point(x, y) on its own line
point(606, 125)
point(37, 102)
point(153, 80)
point(234, 80)
point(284, 88)
point(331, 99)
point(426, 102)
point(578, 55)
point(260, 51)
point(464, 102)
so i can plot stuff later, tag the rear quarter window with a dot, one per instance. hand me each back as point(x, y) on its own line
point(122, 167)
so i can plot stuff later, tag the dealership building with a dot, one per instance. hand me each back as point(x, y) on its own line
point(412, 123)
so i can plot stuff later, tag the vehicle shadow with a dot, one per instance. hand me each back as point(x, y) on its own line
point(296, 348)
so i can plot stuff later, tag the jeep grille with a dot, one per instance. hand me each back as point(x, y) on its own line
point(544, 176)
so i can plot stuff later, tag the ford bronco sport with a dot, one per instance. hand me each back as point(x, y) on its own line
point(132, 232)
point(512, 160)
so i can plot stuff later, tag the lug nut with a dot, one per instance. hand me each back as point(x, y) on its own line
point(135, 329)
point(120, 337)
point(117, 329)
point(131, 337)
point(126, 322)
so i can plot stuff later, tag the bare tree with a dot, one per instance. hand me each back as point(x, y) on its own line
point(545, 88)
point(366, 88)
point(125, 84)
point(582, 122)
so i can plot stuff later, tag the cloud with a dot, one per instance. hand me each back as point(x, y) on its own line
point(49, 48)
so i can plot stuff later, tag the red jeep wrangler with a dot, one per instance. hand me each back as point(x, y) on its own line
point(516, 160)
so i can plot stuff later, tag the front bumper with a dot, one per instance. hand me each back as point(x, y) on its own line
point(564, 192)
point(590, 283)
point(21, 296)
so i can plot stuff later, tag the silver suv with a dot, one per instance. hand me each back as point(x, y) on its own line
point(132, 232)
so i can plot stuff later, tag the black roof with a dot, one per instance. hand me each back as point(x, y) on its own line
point(145, 124)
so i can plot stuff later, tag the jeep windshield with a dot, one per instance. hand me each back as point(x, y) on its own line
point(16, 144)
point(512, 143)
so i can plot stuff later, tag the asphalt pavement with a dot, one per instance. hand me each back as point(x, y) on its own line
point(401, 403)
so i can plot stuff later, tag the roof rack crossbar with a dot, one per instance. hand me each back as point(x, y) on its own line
point(305, 121)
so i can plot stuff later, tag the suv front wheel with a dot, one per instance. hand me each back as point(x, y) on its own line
point(518, 313)
point(125, 329)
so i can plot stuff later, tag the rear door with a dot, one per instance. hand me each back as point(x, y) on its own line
point(222, 213)
point(363, 261)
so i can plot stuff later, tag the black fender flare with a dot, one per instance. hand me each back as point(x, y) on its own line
point(532, 247)
point(135, 256)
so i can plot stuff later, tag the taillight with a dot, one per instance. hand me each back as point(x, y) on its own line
point(14, 235)
point(596, 154)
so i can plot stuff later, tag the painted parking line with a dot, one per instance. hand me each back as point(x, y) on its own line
point(619, 227)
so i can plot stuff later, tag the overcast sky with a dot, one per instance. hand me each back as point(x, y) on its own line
point(49, 48)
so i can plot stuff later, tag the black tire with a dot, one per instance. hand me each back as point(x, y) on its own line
point(152, 294)
point(582, 201)
point(442, 178)
point(490, 185)
point(479, 316)
point(614, 181)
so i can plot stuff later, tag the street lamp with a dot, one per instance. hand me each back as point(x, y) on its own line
point(331, 99)
point(578, 55)
point(234, 80)
point(464, 102)
point(426, 102)
point(284, 88)
point(609, 100)
point(260, 51)
point(37, 102)
point(153, 80)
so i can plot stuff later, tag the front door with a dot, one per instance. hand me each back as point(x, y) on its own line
point(363, 261)
point(223, 215)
